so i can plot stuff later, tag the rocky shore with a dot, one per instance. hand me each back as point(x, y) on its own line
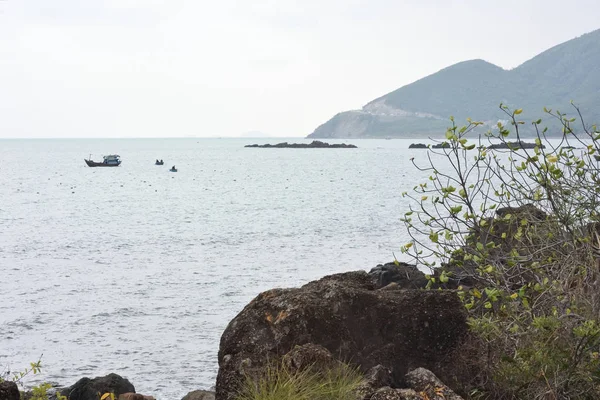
point(404, 341)
point(93, 389)
point(315, 144)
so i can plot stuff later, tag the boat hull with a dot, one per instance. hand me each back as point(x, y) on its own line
point(91, 163)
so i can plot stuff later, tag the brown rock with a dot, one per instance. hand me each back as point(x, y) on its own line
point(377, 377)
point(199, 395)
point(425, 381)
point(308, 356)
point(399, 329)
point(134, 396)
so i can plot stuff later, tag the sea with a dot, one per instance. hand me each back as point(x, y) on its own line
point(138, 270)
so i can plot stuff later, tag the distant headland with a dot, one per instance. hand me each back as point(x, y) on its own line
point(474, 89)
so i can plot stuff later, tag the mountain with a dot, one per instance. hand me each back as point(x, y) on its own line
point(569, 71)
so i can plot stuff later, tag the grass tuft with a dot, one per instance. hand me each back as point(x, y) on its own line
point(278, 383)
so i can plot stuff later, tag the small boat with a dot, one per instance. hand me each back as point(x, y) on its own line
point(161, 162)
point(109, 161)
point(173, 169)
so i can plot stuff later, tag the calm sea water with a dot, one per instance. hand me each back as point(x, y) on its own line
point(137, 270)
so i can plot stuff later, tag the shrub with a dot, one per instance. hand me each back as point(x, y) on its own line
point(516, 230)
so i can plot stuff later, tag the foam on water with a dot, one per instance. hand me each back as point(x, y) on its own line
point(136, 270)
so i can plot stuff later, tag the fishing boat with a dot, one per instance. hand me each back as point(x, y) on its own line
point(161, 162)
point(111, 160)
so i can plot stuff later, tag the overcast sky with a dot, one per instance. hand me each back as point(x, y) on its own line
point(173, 68)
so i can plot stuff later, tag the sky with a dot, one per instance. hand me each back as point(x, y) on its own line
point(179, 68)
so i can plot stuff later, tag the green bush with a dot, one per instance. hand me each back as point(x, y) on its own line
point(277, 382)
point(516, 231)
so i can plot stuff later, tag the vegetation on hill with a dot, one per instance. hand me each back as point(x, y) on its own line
point(569, 71)
point(518, 232)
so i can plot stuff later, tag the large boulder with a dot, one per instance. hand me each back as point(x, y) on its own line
point(9, 391)
point(88, 389)
point(344, 313)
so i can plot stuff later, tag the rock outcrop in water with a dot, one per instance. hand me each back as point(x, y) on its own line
point(315, 144)
point(429, 146)
point(516, 145)
point(519, 144)
point(356, 322)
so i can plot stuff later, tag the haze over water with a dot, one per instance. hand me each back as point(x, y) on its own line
point(137, 270)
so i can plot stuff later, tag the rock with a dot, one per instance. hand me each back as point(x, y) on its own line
point(519, 144)
point(309, 356)
point(387, 393)
point(424, 381)
point(9, 391)
point(134, 396)
point(377, 377)
point(344, 313)
point(315, 144)
point(426, 146)
point(406, 276)
point(88, 389)
point(199, 395)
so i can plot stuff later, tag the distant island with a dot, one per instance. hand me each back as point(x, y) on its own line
point(428, 146)
point(497, 146)
point(474, 89)
point(315, 144)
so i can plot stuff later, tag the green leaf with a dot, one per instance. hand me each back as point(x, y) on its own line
point(456, 209)
point(444, 277)
point(434, 237)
